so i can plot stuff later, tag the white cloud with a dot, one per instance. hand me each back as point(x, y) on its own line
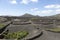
point(49, 6)
point(24, 1)
point(28, 1)
point(38, 11)
point(50, 12)
point(34, 9)
point(52, 6)
point(46, 11)
point(13, 1)
point(58, 6)
point(58, 11)
point(34, 0)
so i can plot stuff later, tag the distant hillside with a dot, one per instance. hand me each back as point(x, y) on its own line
point(57, 16)
point(29, 15)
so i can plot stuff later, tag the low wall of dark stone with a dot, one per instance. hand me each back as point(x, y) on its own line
point(6, 25)
point(2, 30)
point(21, 23)
point(34, 36)
point(53, 31)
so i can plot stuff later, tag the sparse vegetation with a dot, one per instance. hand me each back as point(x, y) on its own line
point(54, 30)
point(35, 19)
point(16, 35)
point(1, 25)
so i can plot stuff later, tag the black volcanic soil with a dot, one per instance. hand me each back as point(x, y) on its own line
point(15, 28)
point(46, 34)
point(49, 36)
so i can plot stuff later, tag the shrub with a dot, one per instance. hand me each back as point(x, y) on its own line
point(1, 25)
point(16, 35)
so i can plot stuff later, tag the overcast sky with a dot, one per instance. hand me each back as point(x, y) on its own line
point(34, 7)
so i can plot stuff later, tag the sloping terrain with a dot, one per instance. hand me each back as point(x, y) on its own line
point(30, 28)
point(33, 32)
point(49, 36)
point(36, 29)
point(15, 28)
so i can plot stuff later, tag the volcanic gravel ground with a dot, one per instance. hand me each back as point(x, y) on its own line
point(15, 28)
point(30, 28)
point(49, 36)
